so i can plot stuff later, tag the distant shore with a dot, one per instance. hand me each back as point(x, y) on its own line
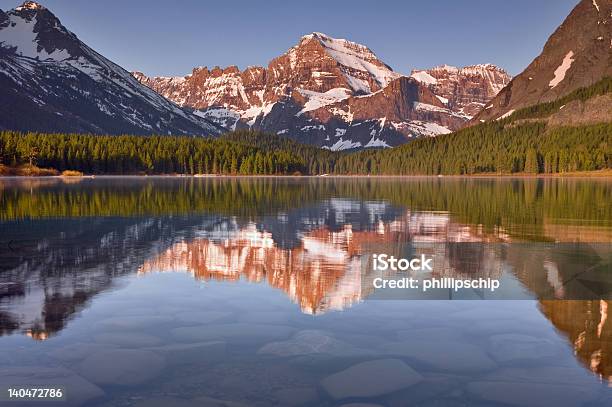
point(582, 174)
point(33, 171)
point(591, 174)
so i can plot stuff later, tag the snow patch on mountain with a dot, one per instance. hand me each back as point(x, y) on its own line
point(20, 34)
point(358, 85)
point(424, 77)
point(221, 116)
point(316, 100)
point(340, 132)
point(343, 145)
point(430, 108)
point(345, 115)
point(315, 127)
point(562, 69)
point(253, 113)
point(376, 143)
point(442, 99)
point(421, 128)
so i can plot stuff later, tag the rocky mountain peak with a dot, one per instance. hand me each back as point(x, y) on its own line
point(342, 45)
point(32, 11)
point(465, 90)
point(363, 70)
point(30, 5)
point(33, 31)
point(483, 70)
point(445, 68)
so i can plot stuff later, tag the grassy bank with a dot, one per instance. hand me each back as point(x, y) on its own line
point(27, 170)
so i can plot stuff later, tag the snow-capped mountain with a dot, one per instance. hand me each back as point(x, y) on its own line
point(329, 92)
point(464, 90)
point(51, 81)
point(577, 54)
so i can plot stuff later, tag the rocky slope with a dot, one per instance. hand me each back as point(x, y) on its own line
point(53, 82)
point(464, 90)
point(329, 92)
point(578, 54)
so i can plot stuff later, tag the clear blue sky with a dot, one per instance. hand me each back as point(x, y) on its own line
point(171, 37)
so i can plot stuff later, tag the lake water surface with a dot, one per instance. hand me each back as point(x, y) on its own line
point(258, 291)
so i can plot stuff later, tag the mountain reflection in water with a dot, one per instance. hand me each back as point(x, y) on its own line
point(588, 329)
point(323, 270)
point(63, 244)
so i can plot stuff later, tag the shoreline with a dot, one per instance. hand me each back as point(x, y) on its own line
point(588, 174)
point(38, 172)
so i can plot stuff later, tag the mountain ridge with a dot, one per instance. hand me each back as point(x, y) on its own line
point(461, 88)
point(577, 54)
point(333, 93)
point(52, 81)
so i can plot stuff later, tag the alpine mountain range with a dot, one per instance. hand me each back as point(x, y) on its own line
point(328, 92)
point(336, 94)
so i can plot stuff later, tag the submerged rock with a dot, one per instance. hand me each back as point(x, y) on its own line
point(191, 352)
point(78, 351)
point(128, 340)
point(510, 347)
point(439, 334)
point(236, 331)
point(296, 396)
point(369, 379)
point(433, 386)
point(309, 342)
point(201, 317)
point(265, 317)
point(133, 322)
point(443, 356)
point(122, 367)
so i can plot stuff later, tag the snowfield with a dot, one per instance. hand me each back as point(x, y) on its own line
point(562, 69)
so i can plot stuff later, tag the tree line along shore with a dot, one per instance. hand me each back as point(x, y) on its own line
point(489, 148)
point(484, 149)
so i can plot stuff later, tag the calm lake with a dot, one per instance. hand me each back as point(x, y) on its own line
point(259, 291)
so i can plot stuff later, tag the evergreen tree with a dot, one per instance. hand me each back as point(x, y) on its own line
point(531, 162)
